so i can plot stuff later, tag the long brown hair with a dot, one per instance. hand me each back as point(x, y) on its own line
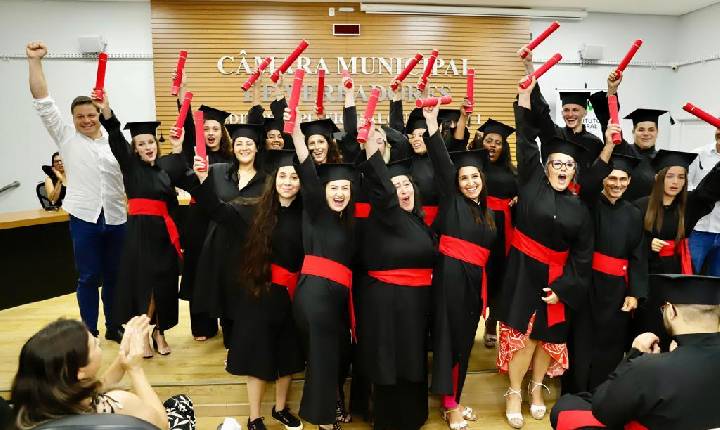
point(333, 155)
point(480, 212)
point(225, 147)
point(655, 210)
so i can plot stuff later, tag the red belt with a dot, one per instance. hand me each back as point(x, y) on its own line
point(685, 260)
point(430, 214)
point(610, 265)
point(573, 420)
point(574, 188)
point(404, 277)
point(503, 205)
point(555, 260)
point(362, 210)
point(157, 208)
point(281, 276)
point(470, 253)
point(332, 270)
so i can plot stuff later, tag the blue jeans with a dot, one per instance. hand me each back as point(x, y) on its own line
point(705, 249)
point(97, 248)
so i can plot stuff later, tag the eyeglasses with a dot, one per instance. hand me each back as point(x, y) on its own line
point(557, 164)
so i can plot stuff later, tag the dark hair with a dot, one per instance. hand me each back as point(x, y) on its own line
point(81, 100)
point(480, 211)
point(235, 164)
point(505, 158)
point(225, 142)
point(333, 155)
point(46, 385)
point(52, 158)
point(134, 148)
point(655, 210)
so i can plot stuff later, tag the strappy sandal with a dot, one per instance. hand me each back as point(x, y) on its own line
point(469, 414)
point(460, 425)
point(341, 414)
point(537, 411)
point(515, 419)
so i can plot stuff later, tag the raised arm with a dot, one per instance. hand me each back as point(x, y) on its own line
point(593, 178)
point(380, 189)
point(38, 85)
point(396, 111)
point(527, 151)
point(119, 146)
point(701, 201)
point(438, 153)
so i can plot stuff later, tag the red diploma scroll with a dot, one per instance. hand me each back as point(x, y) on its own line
point(320, 91)
point(541, 37)
point(614, 117)
point(470, 92)
point(428, 69)
point(289, 60)
point(406, 71)
point(628, 57)
point(183, 113)
point(433, 101)
point(178, 73)
point(200, 149)
point(541, 70)
point(369, 112)
point(100, 80)
point(710, 119)
point(348, 82)
point(256, 74)
point(294, 100)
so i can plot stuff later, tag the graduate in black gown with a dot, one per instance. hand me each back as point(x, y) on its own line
point(650, 389)
point(422, 171)
point(320, 142)
point(323, 301)
point(600, 333)
point(467, 231)
point(548, 270)
point(148, 280)
point(396, 293)
point(275, 137)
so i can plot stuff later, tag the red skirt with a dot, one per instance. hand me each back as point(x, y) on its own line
point(511, 341)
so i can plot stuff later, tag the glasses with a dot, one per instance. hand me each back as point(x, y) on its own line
point(557, 164)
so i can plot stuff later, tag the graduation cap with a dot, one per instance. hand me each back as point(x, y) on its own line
point(474, 158)
point(665, 158)
point(448, 115)
point(212, 113)
point(251, 131)
point(394, 137)
point(685, 289)
point(335, 172)
point(575, 97)
point(142, 127)
point(400, 167)
point(642, 115)
point(326, 127)
point(624, 162)
point(274, 159)
point(273, 124)
point(561, 145)
point(415, 120)
point(492, 126)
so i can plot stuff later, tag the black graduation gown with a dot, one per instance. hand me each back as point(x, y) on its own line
point(149, 267)
point(321, 305)
point(457, 285)
point(557, 220)
point(670, 391)
point(277, 107)
point(600, 333)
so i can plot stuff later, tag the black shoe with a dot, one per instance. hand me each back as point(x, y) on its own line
point(114, 334)
point(256, 424)
point(286, 418)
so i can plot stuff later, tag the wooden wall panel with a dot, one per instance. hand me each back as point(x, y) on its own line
point(212, 29)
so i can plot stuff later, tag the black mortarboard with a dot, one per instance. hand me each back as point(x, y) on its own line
point(251, 131)
point(326, 127)
point(642, 114)
point(448, 115)
point(273, 159)
point(562, 146)
point(400, 167)
point(394, 136)
point(415, 120)
point(624, 162)
point(142, 127)
point(685, 289)
point(335, 172)
point(492, 126)
point(212, 113)
point(475, 158)
point(574, 97)
point(273, 124)
point(665, 158)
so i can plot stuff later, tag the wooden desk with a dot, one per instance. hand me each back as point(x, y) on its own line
point(32, 217)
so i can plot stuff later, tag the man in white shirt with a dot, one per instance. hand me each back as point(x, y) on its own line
point(705, 238)
point(95, 196)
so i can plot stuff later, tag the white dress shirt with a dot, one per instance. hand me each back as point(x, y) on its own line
point(94, 180)
point(707, 158)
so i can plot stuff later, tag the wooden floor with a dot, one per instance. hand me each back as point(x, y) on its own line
point(197, 369)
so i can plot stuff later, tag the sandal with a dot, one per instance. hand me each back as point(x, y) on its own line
point(200, 338)
point(162, 351)
point(460, 425)
point(515, 419)
point(341, 414)
point(490, 340)
point(537, 411)
point(469, 414)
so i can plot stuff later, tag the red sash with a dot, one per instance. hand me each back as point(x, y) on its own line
point(157, 208)
point(362, 210)
point(555, 260)
point(503, 205)
point(685, 260)
point(192, 200)
point(470, 253)
point(574, 188)
point(634, 425)
point(610, 265)
point(281, 276)
point(325, 268)
point(572, 420)
point(404, 277)
point(430, 214)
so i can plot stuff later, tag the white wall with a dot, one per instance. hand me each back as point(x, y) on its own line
point(26, 145)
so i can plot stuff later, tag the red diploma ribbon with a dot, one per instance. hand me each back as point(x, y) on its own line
point(541, 37)
point(541, 70)
point(614, 117)
point(710, 119)
point(406, 71)
point(200, 149)
point(628, 57)
point(369, 112)
point(433, 101)
point(256, 74)
point(178, 73)
point(470, 91)
point(320, 91)
point(428, 69)
point(294, 100)
point(348, 82)
point(289, 60)
point(183, 114)
point(100, 80)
